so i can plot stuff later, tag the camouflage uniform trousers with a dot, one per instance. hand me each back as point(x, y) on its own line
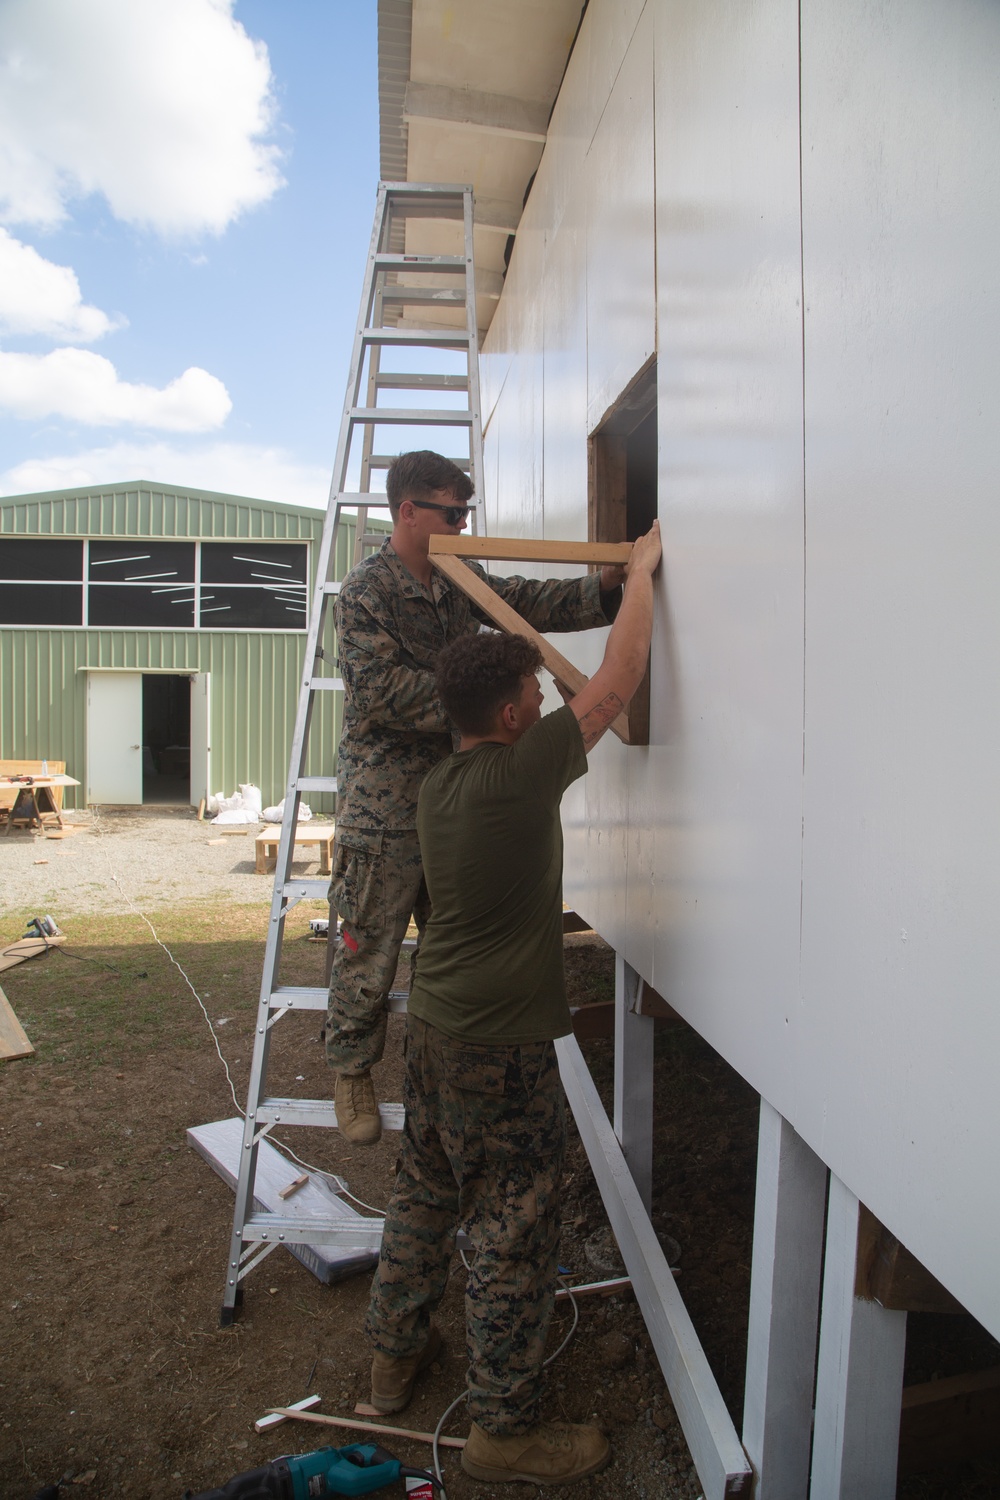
point(377, 884)
point(483, 1150)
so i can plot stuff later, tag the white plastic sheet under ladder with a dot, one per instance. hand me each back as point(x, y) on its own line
point(415, 308)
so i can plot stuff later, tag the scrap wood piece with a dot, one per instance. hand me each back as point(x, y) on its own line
point(13, 1037)
point(508, 619)
point(529, 549)
point(406, 1432)
point(294, 1185)
point(274, 1419)
point(28, 947)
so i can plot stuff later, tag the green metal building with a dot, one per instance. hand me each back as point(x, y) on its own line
point(153, 638)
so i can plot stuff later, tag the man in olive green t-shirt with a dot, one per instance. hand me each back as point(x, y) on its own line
point(484, 1137)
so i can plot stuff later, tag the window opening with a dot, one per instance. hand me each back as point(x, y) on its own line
point(623, 501)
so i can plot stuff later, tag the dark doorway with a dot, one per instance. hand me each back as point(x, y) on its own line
point(166, 739)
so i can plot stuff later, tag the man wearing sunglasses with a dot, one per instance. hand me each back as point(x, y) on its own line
point(394, 613)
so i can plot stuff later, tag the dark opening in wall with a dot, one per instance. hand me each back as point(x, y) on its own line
point(623, 490)
point(166, 738)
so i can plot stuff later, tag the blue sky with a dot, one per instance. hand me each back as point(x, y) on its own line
point(206, 171)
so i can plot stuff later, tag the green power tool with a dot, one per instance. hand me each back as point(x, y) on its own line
point(355, 1470)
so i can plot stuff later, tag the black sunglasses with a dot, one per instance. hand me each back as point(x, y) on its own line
point(452, 513)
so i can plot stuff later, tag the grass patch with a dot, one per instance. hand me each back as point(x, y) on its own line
point(110, 993)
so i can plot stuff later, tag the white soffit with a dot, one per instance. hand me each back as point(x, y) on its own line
point(466, 88)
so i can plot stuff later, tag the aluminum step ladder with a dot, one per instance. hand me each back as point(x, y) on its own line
point(411, 301)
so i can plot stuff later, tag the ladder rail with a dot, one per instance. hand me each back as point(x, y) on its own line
point(394, 201)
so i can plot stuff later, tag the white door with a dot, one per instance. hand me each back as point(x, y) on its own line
point(201, 729)
point(114, 737)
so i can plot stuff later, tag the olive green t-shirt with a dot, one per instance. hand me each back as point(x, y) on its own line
point(490, 967)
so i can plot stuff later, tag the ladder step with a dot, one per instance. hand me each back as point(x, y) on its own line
point(387, 381)
point(316, 783)
point(377, 499)
point(306, 890)
point(391, 262)
point(411, 338)
point(383, 460)
point(332, 587)
point(327, 684)
point(298, 997)
point(402, 416)
point(427, 294)
point(317, 1112)
point(451, 338)
point(301, 1231)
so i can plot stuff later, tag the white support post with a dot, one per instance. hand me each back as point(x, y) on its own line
point(634, 1080)
point(718, 1457)
point(859, 1377)
point(784, 1308)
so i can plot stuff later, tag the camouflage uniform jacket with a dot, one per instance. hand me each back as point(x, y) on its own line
point(390, 628)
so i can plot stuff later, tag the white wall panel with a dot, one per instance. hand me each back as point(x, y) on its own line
point(621, 255)
point(721, 783)
point(901, 234)
point(827, 923)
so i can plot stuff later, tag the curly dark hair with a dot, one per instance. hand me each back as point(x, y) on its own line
point(415, 476)
point(477, 675)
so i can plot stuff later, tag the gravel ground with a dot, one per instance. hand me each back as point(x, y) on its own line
point(161, 857)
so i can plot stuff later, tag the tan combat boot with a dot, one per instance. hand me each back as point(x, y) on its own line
point(393, 1378)
point(552, 1453)
point(357, 1109)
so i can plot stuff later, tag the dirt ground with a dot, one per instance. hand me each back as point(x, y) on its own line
point(116, 1377)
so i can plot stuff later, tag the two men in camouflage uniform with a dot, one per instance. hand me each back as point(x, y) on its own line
point(394, 613)
point(484, 1135)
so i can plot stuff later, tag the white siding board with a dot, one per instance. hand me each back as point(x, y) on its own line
point(901, 232)
point(722, 786)
point(621, 258)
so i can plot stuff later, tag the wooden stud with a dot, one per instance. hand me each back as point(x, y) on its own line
point(859, 1374)
point(945, 1421)
point(888, 1274)
point(508, 619)
point(530, 549)
point(784, 1308)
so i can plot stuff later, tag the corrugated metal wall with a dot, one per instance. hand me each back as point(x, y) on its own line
point(153, 513)
point(255, 675)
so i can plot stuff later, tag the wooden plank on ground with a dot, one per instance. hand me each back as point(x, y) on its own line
point(508, 619)
point(13, 1037)
point(529, 549)
point(29, 947)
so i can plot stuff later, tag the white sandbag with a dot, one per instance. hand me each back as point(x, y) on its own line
point(275, 814)
point(236, 815)
point(251, 796)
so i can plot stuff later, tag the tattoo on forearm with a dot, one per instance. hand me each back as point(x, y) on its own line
point(596, 720)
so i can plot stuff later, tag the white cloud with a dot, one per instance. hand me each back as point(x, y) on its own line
point(164, 108)
point(37, 296)
point(85, 387)
point(232, 468)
